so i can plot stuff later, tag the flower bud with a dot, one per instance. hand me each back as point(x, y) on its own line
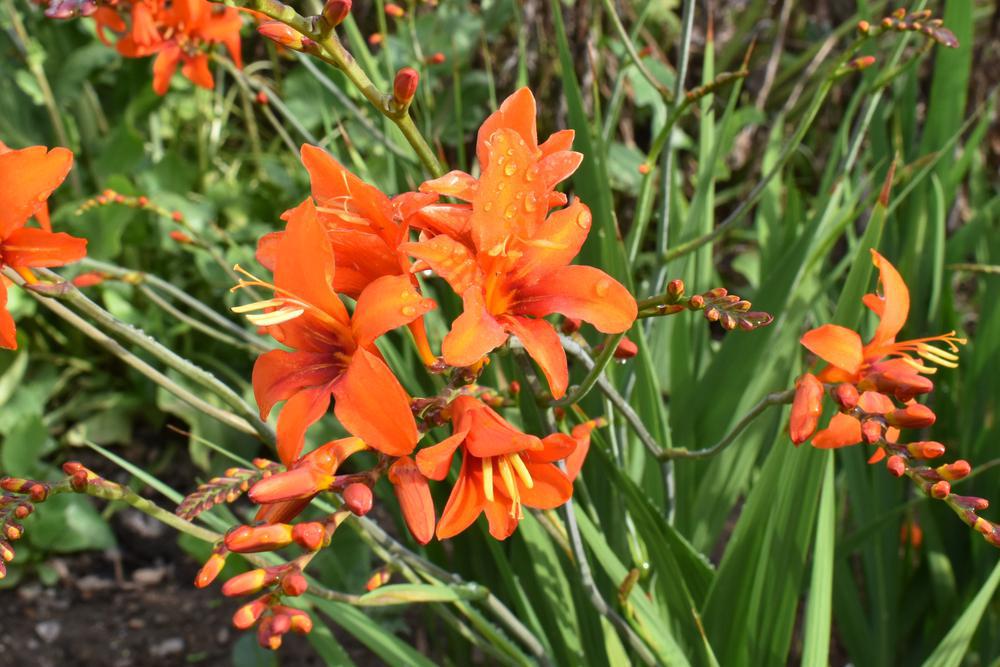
point(940, 490)
point(872, 431)
point(925, 449)
point(404, 86)
point(358, 498)
point(23, 511)
point(675, 288)
point(248, 614)
point(644, 168)
point(299, 483)
point(903, 385)
point(436, 59)
point(249, 582)
point(335, 11)
point(864, 62)
point(806, 408)
point(6, 552)
point(973, 503)
point(394, 10)
point(697, 302)
point(846, 395)
point(279, 33)
point(954, 471)
point(570, 325)
point(896, 465)
point(626, 349)
point(211, 569)
point(309, 535)
point(13, 531)
point(253, 539)
point(79, 481)
point(89, 279)
point(299, 621)
point(294, 584)
point(914, 415)
point(266, 636)
point(380, 578)
point(864, 27)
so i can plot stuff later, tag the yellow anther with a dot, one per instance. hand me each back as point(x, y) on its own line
point(488, 478)
point(277, 317)
point(521, 470)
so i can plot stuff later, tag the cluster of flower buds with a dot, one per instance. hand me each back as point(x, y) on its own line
point(225, 489)
point(921, 21)
point(140, 202)
point(16, 504)
point(67, 9)
point(717, 304)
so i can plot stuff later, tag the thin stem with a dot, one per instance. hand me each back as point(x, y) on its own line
point(595, 368)
point(170, 309)
point(626, 41)
point(777, 398)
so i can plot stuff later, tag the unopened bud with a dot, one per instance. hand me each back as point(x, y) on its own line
point(294, 584)
point(374, 39)
point(266, 636)
point(914, 415)
point(697, 302)
point(896, 465)
point(846, 395)
point(973, 503)
point(23, 510)
point(248, 614)
point(864, 62)
point(864, 27)
point(262, 97)
point(279, 33)
point(940, 490)
point(436, 59)
point(358, 498)
point(872, 431)
point(249, 582)
point(211, 569)
point(180, 237)
point(954, 471)
point(13, 531)
point(925, 449)
point(79, 480)
point(177, 216)
point(404, 86)
point(806, 408)
point(395, 11)
point(6, 552)
point(253, 539)
point(298, 620)
point(626, 349)
point(380, 578)
point(89, 279)
point(335, 11)
point(712, 314)
point(570, 325)
point(644, 168)
point(675, 288)
point(309, 535)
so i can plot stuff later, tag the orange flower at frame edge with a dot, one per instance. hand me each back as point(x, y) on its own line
point(27, 178)
point(333, 353)
point(507, 256)
point(882, 366)
point(502, 469)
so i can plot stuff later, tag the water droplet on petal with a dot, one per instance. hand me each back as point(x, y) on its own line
point(501, 159)
point(510, 212)
point(488, 206)
point(531, 173)
point(510, 169)
point(602, 287)
point(408, 311)
point(583, 220)
point(531, 203)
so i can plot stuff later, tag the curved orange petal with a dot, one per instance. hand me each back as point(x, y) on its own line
point(435, 461)
point(556, 242)
point(29, 246)
point(555, 447)
point(267, 249)
point(843, 430)
point(558, 167)
point(448, 219)
point(298, 413)
point(895, 304)
point(277, 375)
point(542, 343)
point(465, 502)
point(836, 345)
point(414, 497)
point(304, 262)
point(574, 461)
point(875, 403)
point(387, 303)
point(164, 67)
point(516, 113)
point(455, 183)
point(474, 334)
point(27, 178)
point(492, 435)
point(550, 487)
point(581, 292)
point(498, 515)
point(196, 69)
point(558, 141)
point(335, 187)
point(372, 405)
point(449, 259)
point(8, 332)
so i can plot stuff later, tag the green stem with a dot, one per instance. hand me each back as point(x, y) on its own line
point(596, 369)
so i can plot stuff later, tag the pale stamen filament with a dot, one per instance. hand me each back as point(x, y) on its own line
point(279, 316)
point(510, 484)
point(521, 470)
point(289, 301)
point(488, 478)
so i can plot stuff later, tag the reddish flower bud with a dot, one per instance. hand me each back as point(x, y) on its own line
point(177, 216)
point(675, 288)
point(380, 578)
point(13, 531)
point(23, 511)
point(436, 59)
point(953, 471)
point(262, 97)
point(973, 503)
point(79, 481)
point(358, 498)
point(940, 490)
point(404, 86)
point(896, 465)
point(864, 27)
point(626, 349)
point(697, 302)
point(266, 636)
point(514, 387)
point(395, 11)
point(872, 431)
point(298, 620)
point(570, 325)
point(6, 552)
point(248, 614)
point(806, 408)
point(299, 483)
point(309, 535)
point(181, 237)
point(335, 11)
point(903, 385)
point(253, 539)
point(294, 584)
point(280, 623)
point(89, 279)
point(211, 569)
point(249, 582)
point(414, 495)
point(644, 168)
point(914, 415)
point(374, 39)
point(864, 62)
point(846, 395)
point(925, 449)
point(279, 33)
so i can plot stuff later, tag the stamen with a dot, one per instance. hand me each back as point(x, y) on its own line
point(919, 367)
point(509, 483)
point(521, 470)
point(258, 305)
point(488, 478)
point(279, 316)
point(938, 356)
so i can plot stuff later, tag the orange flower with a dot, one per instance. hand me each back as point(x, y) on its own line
point(27, 178)
point(179, 35)
point(506, 256)
point(365, 228)
point(333, 352)
point(502, 469)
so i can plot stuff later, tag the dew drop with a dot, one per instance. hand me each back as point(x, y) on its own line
point(531, 173)
point(408, 311)
point(602, 287)
point(583, 220)
point(501, 159)
point(488, 206)
point(510, 169)
point(510, 212)
point(531, 203)
point(500, 186)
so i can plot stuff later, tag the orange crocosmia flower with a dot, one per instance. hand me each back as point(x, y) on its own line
point(852, 361)
point(845, 430)
point(27, 178)
point(365, 228)
point(333, 353)
point(502, 469)
point(179, 35)
point(507, 256)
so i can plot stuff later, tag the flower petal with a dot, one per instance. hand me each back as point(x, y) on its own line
point(414, 497)
point(435, 461)
point(335, 187)
point(843, 430)
point(557, 141)
point(474, 333)
point(555, 447)
point(387, 303)
point(196, 69)
point(372, 405)
point(298, 413)
point(516, 113)
point(895, 304)
point(542, 343)
point(27, 178)
point(582, 292)
point(492, 435)
point(466, 501)
point(550, 488)
point(457, 184)
point(278, 375)
point(449, 259)
point(836, 345)
point(29, 246)
point(8, 332)
point(555, 244)
point(502, 523)
point(164, 67)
